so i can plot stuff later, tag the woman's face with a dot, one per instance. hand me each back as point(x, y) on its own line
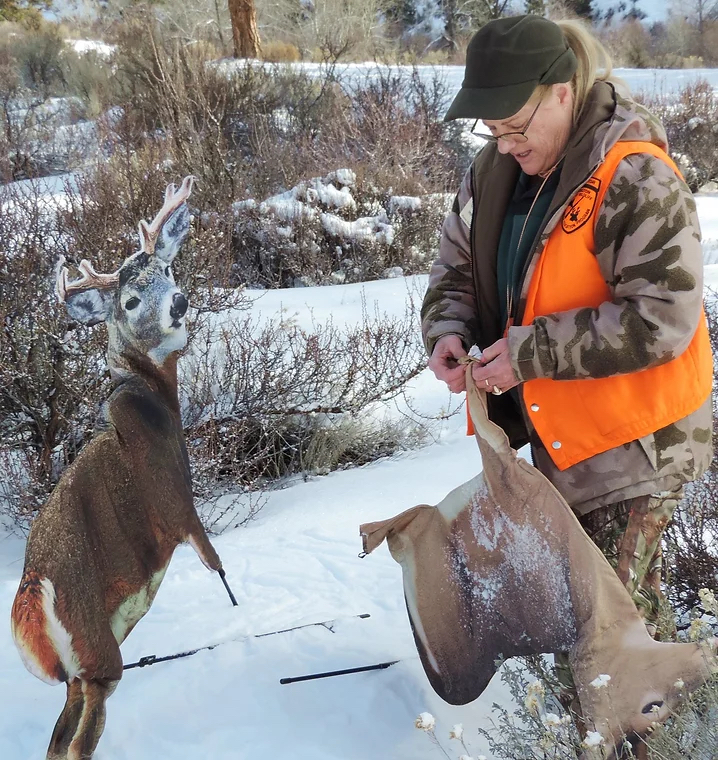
point(547, 134)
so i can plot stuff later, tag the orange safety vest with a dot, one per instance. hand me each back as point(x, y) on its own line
point(577, 419)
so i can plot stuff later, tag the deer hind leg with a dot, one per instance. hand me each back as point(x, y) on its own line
point(67, 723)
point(82, 721)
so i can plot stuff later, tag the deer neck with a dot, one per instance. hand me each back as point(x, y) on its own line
point(127, 365)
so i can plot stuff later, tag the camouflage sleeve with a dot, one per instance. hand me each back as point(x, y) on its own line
point(648, 248)
point(450, 302)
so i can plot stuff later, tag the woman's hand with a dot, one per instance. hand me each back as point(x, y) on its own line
point(444, 362)
point(495, 369)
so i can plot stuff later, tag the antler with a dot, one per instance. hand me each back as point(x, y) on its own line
point(90, 279)
point(173, 200)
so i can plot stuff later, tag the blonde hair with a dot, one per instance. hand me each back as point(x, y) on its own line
point(594, 63)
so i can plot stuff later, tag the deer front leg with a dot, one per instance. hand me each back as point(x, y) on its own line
point(199, 541)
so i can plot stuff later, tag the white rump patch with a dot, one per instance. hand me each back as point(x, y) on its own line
point(57, 633)
point(29, 660)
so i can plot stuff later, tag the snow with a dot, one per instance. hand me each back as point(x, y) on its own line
point(82, 47)
point(365, 228)
point(601, 681)
point(593, 739)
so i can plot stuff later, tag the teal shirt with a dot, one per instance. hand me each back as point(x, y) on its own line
point(514, 247)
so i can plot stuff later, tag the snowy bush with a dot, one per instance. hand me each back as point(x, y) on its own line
point(538, 728)
point(47, 93)
point(329, 230)
point(690, 121)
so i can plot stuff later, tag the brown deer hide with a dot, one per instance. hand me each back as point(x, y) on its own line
point(502, 567)
point(111, 524)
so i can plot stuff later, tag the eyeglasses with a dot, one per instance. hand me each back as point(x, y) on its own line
point(515, 137)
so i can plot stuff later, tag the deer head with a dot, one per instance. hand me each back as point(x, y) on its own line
point(140, 303)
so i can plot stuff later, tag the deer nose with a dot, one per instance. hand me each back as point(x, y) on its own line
point(179, 307)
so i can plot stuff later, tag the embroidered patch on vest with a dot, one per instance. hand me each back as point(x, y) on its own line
point(579, 211)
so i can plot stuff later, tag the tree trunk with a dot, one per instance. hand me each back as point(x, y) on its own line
point(244, 29)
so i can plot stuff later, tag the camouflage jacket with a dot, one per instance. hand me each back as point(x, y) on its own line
point(646, 212)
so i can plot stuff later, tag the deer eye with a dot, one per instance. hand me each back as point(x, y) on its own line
point(132, 303)
point(167, 271)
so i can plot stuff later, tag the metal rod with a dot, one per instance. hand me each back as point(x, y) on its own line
point(152, 659)
point(332, 673)
point(226, 585)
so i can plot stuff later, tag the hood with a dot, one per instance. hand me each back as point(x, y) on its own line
point(630, 122)
point(608, 117)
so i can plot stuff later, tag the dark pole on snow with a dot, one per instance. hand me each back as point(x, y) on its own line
point(226, 585)
point(152, 659)
point(331, 673)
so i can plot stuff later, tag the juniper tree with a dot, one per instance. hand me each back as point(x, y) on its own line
point(14, 10)
point(537, 7)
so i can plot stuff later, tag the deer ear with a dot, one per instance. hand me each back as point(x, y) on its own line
point(172, 234)
point(89, 307)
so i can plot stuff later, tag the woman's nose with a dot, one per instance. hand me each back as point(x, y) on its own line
point(505, 146)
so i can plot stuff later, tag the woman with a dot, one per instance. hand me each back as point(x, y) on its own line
point(572, 258)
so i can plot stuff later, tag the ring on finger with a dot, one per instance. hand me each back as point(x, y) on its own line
point(496, 390)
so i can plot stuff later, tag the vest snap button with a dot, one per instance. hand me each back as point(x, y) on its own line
point(556, 444)
point(534, 407)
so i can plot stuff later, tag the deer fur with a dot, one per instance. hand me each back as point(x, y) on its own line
point(501, 567)
point(99, 548)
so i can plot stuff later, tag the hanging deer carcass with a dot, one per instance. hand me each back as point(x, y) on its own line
point(501, 567)
point(99, 548)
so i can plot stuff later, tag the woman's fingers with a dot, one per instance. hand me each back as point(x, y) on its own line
point(444, 362)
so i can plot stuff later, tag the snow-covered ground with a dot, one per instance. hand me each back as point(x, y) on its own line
point(296, 563)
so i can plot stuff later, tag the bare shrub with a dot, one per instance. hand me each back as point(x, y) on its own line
point(271, 400)
point(690, 121)
point(391, 124)
point(46, 95)
point(89, 78)
point(692, 548)
point(50, 373)
point(38, 51)
point(280, 52)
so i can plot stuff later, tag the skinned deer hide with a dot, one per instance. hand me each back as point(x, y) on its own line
point(502, 567)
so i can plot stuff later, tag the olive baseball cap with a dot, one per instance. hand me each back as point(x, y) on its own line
point(505, 61)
